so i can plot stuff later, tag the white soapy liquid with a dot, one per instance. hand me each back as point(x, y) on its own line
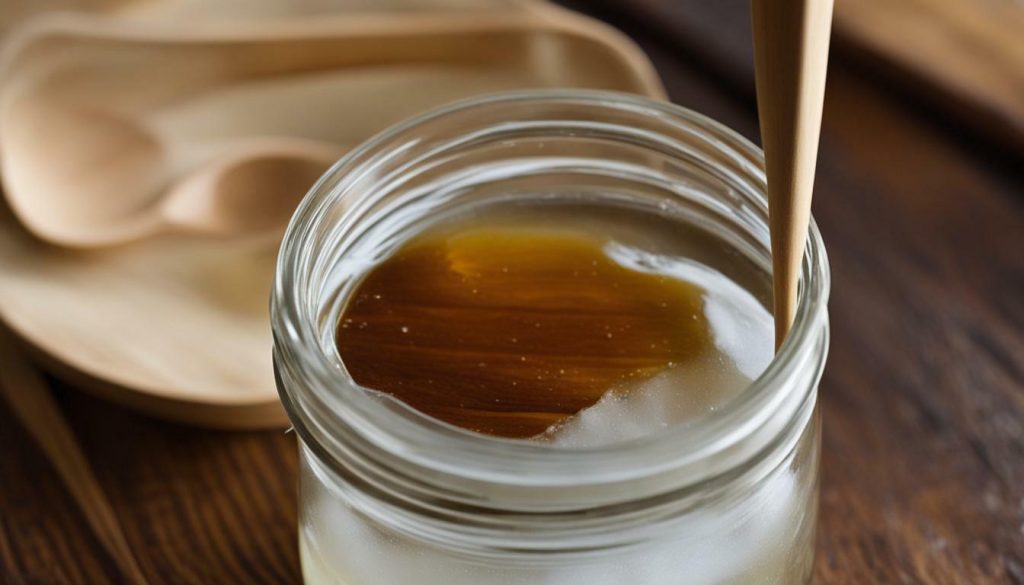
point(739, 542)
point(750, 539)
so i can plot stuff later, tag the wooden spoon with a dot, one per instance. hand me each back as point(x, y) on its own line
point(33, 405)
point(246, 188)
point(791, 39)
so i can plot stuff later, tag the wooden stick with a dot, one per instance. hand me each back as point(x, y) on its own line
point(34, 406)
point(791, 39)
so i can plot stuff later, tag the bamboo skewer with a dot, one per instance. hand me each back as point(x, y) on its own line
point(33, 404)
point(791, 40)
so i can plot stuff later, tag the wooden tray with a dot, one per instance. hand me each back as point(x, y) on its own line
point(177, 326)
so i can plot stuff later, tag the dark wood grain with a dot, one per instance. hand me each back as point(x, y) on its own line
point(923, 398)
point(967, 57)
point(197, 506)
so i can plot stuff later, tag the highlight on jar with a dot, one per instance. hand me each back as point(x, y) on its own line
point(529, 338)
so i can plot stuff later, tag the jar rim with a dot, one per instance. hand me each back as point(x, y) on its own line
point(433, 445)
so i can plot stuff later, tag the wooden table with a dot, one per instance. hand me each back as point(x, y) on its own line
point(923, 398)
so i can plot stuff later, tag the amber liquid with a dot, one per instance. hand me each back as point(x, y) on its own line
point(510, 323)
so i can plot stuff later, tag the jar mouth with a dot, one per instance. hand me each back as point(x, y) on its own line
point(331, 404)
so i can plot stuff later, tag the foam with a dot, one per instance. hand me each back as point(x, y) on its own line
point(742, 331)
point(681, 393)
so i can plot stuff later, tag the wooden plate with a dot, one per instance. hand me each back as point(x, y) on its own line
point(177, 326)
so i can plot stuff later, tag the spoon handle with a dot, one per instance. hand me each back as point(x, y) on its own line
point(791, 39)
point(33, 404)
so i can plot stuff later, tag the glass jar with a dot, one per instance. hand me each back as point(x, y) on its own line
point(391, 497)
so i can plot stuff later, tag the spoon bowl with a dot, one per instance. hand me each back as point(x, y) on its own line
point(251, 190)
point(246, 189)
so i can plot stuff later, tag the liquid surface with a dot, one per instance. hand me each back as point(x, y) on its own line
point(553, 323)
